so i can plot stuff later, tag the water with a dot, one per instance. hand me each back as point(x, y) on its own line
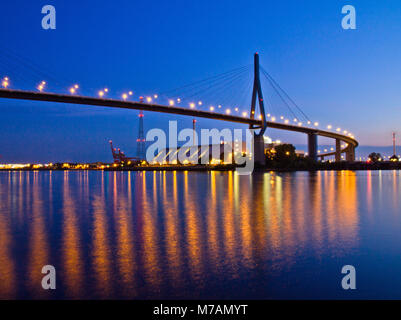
point(136, 235)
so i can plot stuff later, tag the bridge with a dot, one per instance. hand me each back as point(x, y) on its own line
point(343, 143)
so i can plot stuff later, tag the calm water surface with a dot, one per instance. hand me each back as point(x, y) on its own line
point(136, 235)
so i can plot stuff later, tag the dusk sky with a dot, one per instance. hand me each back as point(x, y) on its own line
point(347, 78)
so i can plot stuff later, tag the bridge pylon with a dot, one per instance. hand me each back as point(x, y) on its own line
point(257, 96)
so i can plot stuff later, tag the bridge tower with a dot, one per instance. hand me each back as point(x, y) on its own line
point(257, 96)
point(140, 141)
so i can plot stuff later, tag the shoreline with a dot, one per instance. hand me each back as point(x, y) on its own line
point(354, 166)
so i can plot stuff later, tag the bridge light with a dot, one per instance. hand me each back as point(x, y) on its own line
point(236, 109)
point(171, 102)
point(76, 86)
point(5, 83)
point(286, 121)
point(329, 126)
point(124, 96)
point(178, 100)
point(5, 78)
point(219, 106)
point(244, 114)
point(211, 108)
point(268, 115)
point(192, 105)
point(72, 90)
point(295, 119)
point(260, 116)
point(332, 149)
point(345, 131)
point(282, 118)
point(228, 111)
point(41, 86)
point(338, 129)
point(106, 90)
point(309, 122)
point(130, 93)
point(300, 124)
point(148, 99)
point(316, 124)
point(200, 103)
point(101, 93)
point(155, 96)
point(273, 119)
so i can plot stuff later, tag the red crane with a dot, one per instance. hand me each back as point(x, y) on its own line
point(119, 156)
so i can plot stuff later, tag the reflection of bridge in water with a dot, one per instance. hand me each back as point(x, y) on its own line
point(262, 124)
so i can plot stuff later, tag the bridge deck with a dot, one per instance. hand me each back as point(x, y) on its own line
point(73, 99)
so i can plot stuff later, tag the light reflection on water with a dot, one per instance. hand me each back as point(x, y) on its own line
point(199, 235)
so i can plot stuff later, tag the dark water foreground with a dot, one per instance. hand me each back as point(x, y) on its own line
point(200, 234)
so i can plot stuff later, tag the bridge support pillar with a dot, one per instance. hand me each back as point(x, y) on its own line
point(338, 150)
point(312, 146)
point(350, 154)
point(259, 150)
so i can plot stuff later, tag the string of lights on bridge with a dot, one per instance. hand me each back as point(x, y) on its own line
point(126, 96)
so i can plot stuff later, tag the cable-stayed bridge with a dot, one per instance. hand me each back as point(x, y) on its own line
point(223, 87)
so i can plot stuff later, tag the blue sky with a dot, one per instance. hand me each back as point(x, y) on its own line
point(347, 78)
